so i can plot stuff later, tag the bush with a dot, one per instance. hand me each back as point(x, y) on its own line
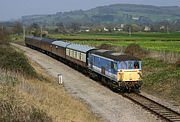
point(15, 61)
point(105, 46)
point(4, 37)
point(136, 50)
point(177, 64)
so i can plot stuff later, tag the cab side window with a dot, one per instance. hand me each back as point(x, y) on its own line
point(114, 65)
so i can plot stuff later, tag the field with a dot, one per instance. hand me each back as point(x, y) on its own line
point(161, 79)
point(152, 41)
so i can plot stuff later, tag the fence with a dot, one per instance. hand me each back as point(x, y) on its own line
point(166, 56)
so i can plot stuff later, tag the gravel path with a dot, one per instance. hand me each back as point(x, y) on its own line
point(102, 101)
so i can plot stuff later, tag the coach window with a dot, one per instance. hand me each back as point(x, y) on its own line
point(67, 52)
point(75, 55)
point(78, 55)
point(71, 53)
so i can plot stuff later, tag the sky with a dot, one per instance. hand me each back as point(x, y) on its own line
point(14, 9)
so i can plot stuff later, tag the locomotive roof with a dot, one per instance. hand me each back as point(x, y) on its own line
point(81, 48)
point(113, 55)
point(61, 43)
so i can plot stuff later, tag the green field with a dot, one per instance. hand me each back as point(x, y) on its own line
point(148, 36)
point(153, 41)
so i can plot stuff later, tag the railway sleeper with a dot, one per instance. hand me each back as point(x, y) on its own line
point(175, 120)
point(165, 112)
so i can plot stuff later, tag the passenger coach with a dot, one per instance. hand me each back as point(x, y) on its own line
point(59, 48)
point(78, 54)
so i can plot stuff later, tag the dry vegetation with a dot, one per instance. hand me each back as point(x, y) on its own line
point(29, 94)
point(53, 99)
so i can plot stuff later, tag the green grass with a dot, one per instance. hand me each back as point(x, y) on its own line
point(17, 39)
point(152, 41)
point(161, 79)
point(124, 36)
point(152, 45)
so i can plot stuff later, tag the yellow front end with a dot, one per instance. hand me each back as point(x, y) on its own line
point(130, 75)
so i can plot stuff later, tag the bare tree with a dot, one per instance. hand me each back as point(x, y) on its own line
point(4, 36)
point(18, 28)
point(75, 26)
point(61, 27)
point(35, 29)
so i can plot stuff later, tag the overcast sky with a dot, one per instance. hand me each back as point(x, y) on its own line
point(13, 9)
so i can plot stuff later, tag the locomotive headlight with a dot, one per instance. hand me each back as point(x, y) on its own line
point(120, 77)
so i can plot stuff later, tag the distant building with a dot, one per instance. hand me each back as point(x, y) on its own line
point(122, 25)
point(87, 30)
point(114, 29)
point(84, 29)
point(162, 27)
point(147, 28)
point(120, 29)
point(105, 29)
point(117, 29)
point(135, 18)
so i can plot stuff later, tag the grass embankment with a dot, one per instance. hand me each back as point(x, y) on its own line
point(152, 41)
point(14, 68)
point(161, 79)
point(18, 39)
point(28, 94)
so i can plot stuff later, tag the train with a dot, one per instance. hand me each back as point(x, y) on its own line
point(120, 72)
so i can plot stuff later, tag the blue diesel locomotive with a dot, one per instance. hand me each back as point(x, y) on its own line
point(118, 70)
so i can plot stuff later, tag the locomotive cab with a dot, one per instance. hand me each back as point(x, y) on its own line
point(130, 71)
point(130, 74)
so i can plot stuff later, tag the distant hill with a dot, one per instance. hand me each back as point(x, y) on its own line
point(112, 14)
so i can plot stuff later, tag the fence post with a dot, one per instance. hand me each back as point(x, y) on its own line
point(60, 80)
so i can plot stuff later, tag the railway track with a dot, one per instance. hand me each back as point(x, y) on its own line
point(156, 108)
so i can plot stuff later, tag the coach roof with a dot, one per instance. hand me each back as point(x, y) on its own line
point(33, 37)
point(61, 43)
point(80, 48)
point(113, 55)
point(47, 40)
